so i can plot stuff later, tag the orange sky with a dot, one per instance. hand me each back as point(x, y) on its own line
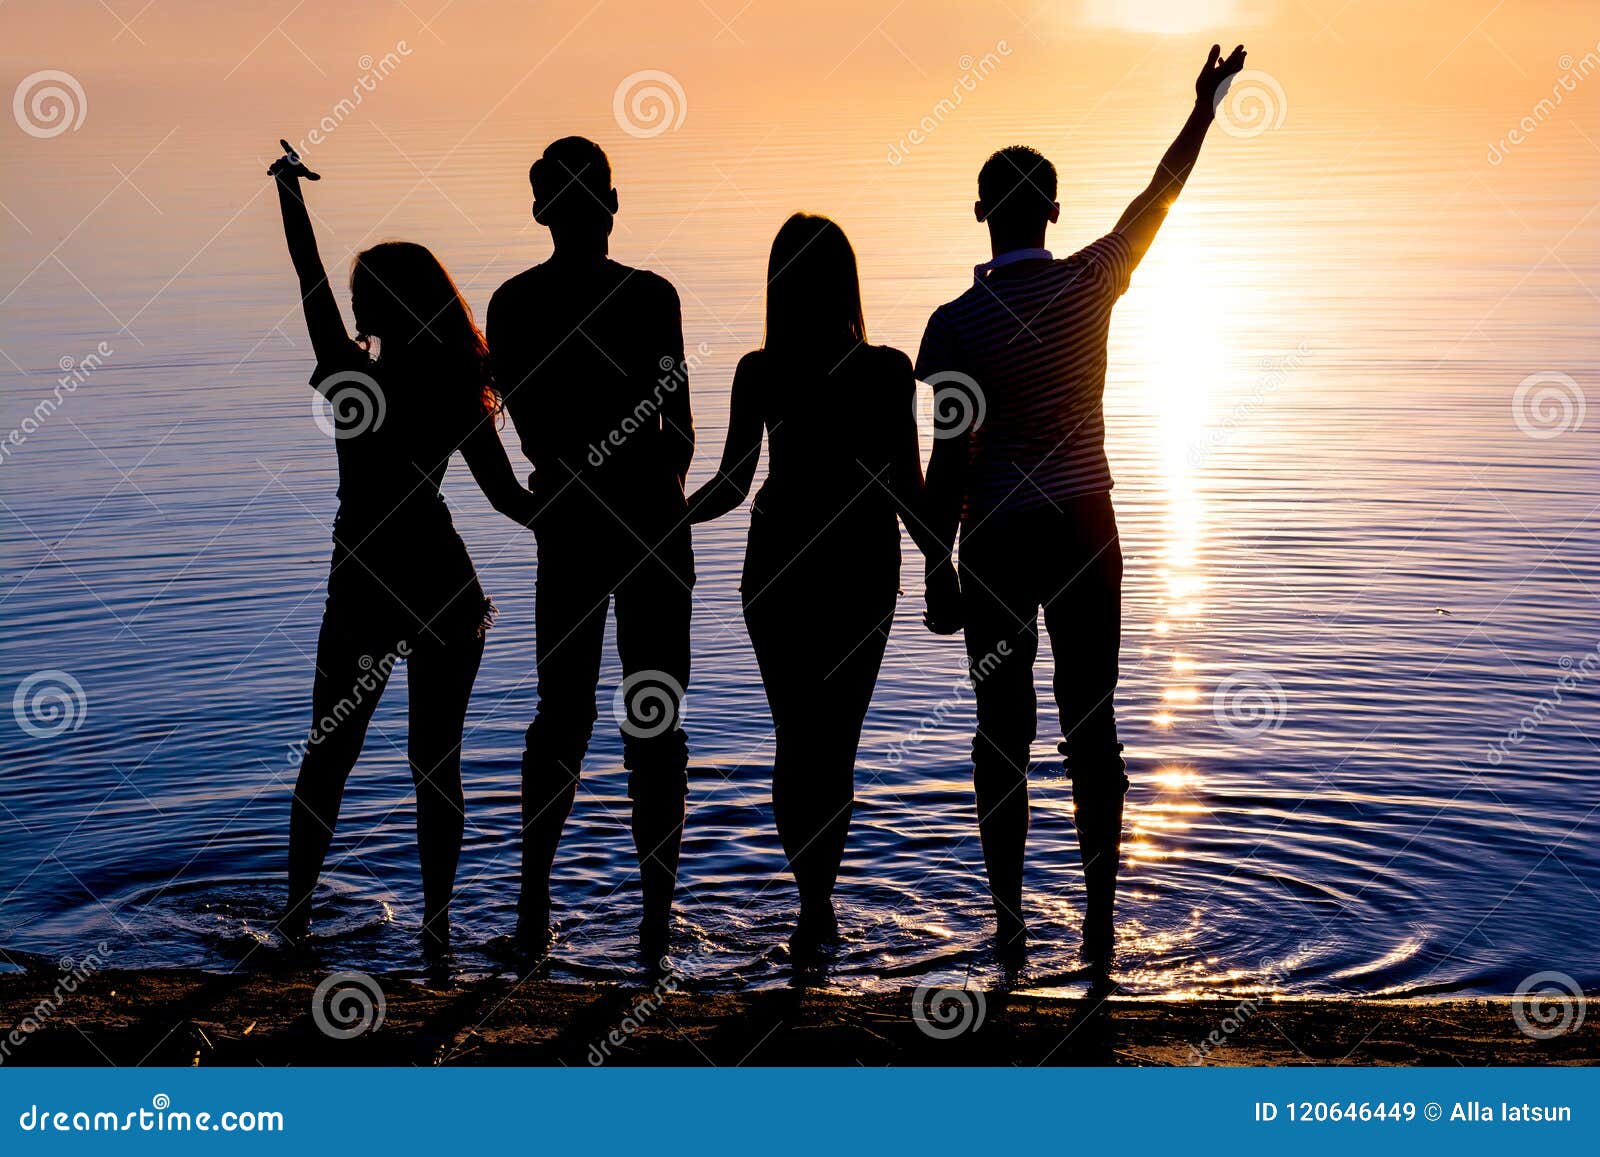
point(186, 60)
point(785, 104)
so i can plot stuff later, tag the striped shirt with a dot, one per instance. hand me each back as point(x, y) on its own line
point(1032, 338)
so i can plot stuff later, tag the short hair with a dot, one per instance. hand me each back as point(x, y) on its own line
point(573, 176)
point(1017, 186)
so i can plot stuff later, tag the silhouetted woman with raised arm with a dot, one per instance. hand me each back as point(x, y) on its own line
point(409, 391)
point(822, 569)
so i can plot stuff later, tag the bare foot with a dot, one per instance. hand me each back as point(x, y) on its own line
point(1099, 941)
point(816, 928)
point(654, 937)
point(293, 930)
point(533, 938)
point(436, 937)
point(1010, 939)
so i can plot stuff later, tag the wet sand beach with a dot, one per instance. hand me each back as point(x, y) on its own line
point(191, 1018)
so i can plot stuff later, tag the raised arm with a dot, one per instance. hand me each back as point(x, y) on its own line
point(1144, 216)
point(740, 453)
point(491, 470)
point(329, 339)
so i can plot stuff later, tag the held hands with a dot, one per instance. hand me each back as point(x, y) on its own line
point(943, 616)
point(1216, 72)
point(289, 167)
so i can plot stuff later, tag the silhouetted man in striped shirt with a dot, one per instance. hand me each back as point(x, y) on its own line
point(1018, 366)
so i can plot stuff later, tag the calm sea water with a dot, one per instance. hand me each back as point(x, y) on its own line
point(1354, 576)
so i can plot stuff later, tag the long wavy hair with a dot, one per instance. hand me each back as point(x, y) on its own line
point(403, 296)
point(813, 289)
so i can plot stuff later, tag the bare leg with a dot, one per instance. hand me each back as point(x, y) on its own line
point(657, 838)
point(441, 681)
point(1002, 798)
point(819, 678)
point(570, 613)
point(1002, 641)
point(547, 795)
point(813, 795)
point(653, 608)
point(1084, 620)
point(811, 799)
point(1097, 814)
point(348, 685)
point(809, 809)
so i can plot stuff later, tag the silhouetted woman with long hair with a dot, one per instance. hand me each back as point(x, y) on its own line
point(822, 568)
point(409, 391)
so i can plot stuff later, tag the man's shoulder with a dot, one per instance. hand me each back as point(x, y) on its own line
point(969, 297)
point(1005, 291)
point(637, 287)
point(975, 299)
point(1113, 247)
point(642, 282)
point(1075, 260)
point(515, 288)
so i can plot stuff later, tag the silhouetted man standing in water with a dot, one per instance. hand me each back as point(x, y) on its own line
point(589, 357)
point(1020, 360)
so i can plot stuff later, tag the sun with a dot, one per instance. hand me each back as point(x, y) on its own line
point(1169, 17)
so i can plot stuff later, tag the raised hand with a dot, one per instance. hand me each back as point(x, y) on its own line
point(289, 167)
point(1215, 72)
